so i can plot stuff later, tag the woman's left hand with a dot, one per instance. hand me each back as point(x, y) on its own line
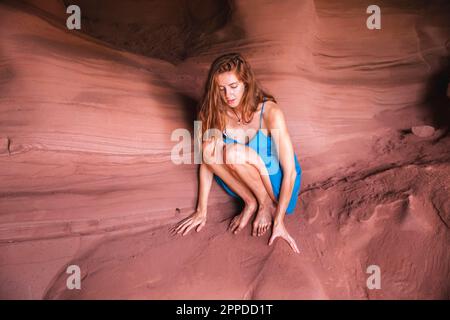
point(279, 230)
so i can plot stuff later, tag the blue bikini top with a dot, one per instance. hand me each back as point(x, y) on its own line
point(254, 142)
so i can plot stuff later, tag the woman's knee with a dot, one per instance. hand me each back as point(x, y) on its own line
point(234, 154)
point(212, 152)
point(241, 154)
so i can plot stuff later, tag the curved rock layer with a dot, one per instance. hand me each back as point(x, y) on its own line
point(85, 149)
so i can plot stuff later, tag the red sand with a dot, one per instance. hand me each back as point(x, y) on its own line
point(86, 176)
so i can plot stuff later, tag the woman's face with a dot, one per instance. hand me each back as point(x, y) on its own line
point(231, 88)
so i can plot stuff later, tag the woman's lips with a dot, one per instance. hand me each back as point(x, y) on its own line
point(231, 101)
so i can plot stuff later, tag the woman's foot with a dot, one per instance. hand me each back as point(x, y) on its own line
point(241, 220)
point(264, 218)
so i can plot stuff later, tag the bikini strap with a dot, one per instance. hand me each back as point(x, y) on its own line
point(262, 111)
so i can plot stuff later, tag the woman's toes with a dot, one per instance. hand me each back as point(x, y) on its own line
point(263, 230)
point(234, 223)
point(266, 227)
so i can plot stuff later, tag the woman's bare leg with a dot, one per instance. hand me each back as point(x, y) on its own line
point(213, 157)
point(248, 166)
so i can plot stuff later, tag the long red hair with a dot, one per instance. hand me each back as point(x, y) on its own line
point(212, 111)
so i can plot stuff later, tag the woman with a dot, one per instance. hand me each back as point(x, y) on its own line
point(246, 148)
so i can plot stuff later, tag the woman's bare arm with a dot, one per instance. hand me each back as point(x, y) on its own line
point(198, 218)
point(205, 182)
point(285, 150)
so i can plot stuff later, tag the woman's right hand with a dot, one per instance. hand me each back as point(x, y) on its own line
point(197, 219)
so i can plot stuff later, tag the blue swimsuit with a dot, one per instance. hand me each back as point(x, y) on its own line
point(263, 145)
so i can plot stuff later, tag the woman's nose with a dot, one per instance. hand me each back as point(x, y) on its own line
point(229, 95)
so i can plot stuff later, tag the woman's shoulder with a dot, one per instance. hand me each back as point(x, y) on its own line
point(270, 105)
point(272, 112)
